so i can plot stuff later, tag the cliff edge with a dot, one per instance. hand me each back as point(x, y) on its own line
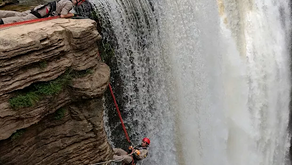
point(51, 87)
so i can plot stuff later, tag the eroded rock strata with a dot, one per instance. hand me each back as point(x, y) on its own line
point(51, 85)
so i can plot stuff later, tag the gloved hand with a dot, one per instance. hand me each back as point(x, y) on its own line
point(131, 148)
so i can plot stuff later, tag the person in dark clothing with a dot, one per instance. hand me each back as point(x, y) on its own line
point(55, 8)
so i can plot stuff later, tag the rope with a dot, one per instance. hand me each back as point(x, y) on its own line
point(119, 113)
point(118, 110)
point(27, 22)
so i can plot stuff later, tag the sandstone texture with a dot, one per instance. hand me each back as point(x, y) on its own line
point(63, 127)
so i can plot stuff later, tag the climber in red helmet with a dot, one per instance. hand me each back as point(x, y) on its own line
point(60, 8)
point(134, 154)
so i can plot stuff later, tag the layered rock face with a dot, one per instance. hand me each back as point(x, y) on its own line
point(51, 84)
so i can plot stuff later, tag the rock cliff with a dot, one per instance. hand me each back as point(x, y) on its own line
point(51, 84)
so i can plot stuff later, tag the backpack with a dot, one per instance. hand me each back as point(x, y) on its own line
point(51, 12)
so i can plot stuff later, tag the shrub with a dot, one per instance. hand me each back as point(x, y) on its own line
point(37, 91)
point(26, 100)
point(31, 95)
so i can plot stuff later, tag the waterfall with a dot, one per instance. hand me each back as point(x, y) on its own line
point(207, 81)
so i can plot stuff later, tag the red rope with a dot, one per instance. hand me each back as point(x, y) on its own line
point(119, 113)
point(118, 110)
point(27, 22)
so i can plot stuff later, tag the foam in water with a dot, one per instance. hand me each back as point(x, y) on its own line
point(208, 81)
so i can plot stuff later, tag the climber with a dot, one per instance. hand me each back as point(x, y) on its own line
point(56, 8)
point(134, 154)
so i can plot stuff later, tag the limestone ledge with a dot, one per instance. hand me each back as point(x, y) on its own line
point(90, 86)
point(60, 43)
point(42, 52)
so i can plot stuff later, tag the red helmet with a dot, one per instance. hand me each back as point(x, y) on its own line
point(146, 140)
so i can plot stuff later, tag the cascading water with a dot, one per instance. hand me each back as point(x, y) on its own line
point(208, 81)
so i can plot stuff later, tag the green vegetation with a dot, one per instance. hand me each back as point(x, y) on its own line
point(39, 90)
point(59, 114)
point(26, 100)
point(17, 134)
point(34, 93)
point(53, 87)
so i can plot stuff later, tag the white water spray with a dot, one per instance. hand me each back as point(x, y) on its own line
point(208, 81)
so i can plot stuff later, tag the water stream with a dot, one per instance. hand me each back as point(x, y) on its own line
point(207, 81)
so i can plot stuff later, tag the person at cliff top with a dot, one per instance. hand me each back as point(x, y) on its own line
point(55, 8)
point(134, 154)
